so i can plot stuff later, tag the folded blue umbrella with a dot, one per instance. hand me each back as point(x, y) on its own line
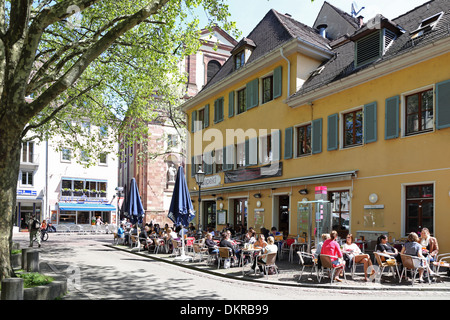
point(181, 209)
point(134, 205)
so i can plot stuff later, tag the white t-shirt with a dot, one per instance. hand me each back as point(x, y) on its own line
point(270, 248)
point(352, 248)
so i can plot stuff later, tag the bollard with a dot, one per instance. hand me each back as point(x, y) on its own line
point(12, 289)
point(24, 257)
point(32, 261)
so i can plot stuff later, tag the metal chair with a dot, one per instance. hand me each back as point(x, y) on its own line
point(224, 253)
point(270, 262)
point(413, 264)
point(307, 260)
point(393, 266)
point(327, 264)
point(198, 251)
point(175, 248)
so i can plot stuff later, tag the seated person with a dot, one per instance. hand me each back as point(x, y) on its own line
point(261, 242)
point(144, 237)
point(250, 236)
point(352, 250)
point(331, 247)
point(274, 232)
point(211, 244)
point(430, 243)
point(120, 232)
point(226, 242)
point(270, 248)
point(325, 236)
point(384, 247)
point(413, 248)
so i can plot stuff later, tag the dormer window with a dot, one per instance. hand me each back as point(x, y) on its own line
point(373, 40)
point(241, 53)
point(426, 25)
point(239, 59)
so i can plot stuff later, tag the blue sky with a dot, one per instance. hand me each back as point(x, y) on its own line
point(247, 13)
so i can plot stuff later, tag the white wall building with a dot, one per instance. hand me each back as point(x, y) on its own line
point(55, 187)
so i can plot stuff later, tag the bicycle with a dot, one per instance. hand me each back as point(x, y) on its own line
point(44, 235)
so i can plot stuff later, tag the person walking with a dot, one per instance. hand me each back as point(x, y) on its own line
point(34, 228)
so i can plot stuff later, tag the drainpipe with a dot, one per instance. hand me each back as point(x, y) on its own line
point(289, 73)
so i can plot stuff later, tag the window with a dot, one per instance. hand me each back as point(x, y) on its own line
point(172, 140)
point(201, 117)
point(27, 178)
point(419, 208)
point(103, 158)
point(28, 152)
point(240, 155)
point(353, 128)
point(86, 127)
point(241, 98)
point(66, 155)
point(266, 149)
point(426, 25)
point(84, 156)
point(213, 67)
point(303, 140)
point(267, 84)
point(239, 59)
point(103, 131)
point(419, 112)
point(218, 160)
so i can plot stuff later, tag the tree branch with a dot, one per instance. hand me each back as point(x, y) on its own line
point(90, 55)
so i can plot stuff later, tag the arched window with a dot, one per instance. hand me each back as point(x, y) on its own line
point(213, 67)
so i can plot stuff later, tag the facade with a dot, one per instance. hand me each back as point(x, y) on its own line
point(56, 188)
point(155, 178)
point(358, 112)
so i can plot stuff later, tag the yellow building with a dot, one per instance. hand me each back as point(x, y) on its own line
point(363, 109)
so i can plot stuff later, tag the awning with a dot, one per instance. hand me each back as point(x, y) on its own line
point(64, 206)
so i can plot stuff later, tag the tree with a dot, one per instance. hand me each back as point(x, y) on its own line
point(100, 60)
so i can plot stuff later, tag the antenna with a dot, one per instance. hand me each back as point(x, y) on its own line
point(354, 10)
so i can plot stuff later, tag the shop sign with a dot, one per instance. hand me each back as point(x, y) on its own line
point(212, 181)
point(246, 174)
point(21, 192)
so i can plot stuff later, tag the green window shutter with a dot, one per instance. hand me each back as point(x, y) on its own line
point(391, 118)
point(370, 122)
point(228, 158)
point(333, 132)
point(276, 145)
point(206, 120)
point(192, 167)
point(231, 104)
point(221, 107)
point(288, 136)
point(216, 111)
point(252, 94)
point(208, 162)
point(443, 104)
point(193, 118)
point(277, 82)
point(252, 152)
point(316, 127)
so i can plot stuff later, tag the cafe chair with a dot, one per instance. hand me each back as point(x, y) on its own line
point(442, 260)
point(224, 254)
point(286, 247)
point(117, 240)
point(159, 245)
point(198, 251)
point(412, 264)
point(270, 263)
point(175, 248)
point(327, 265)
point(386, 261)
point(307, 260)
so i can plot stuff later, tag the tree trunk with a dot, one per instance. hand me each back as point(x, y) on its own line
point(10, 147)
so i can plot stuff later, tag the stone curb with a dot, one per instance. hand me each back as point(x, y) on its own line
point(301, 285)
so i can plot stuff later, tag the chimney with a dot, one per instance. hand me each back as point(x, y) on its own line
point(322, 30)
point(361, 21)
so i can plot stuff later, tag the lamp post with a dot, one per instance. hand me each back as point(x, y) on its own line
point(119, 191)
point(199, 178)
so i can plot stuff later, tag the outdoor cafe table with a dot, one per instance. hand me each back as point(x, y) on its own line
point(249, 253)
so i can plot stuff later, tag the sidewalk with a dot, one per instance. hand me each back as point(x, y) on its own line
point(289, 275)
